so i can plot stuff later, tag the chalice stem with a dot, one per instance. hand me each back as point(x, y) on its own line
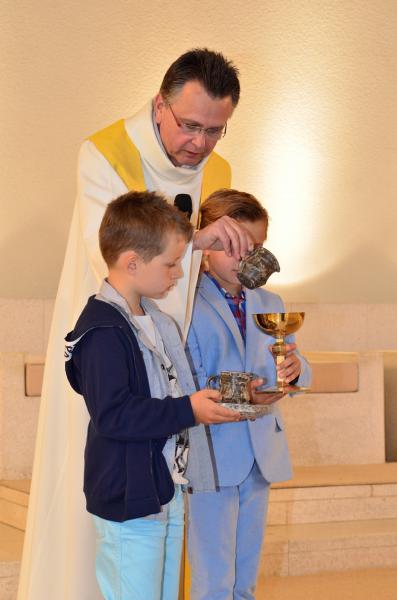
point(280, 381)
point(279, 352)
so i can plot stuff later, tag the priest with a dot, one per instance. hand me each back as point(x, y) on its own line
point(168, 146)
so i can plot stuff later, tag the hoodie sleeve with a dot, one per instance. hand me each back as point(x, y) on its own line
point(110, 384)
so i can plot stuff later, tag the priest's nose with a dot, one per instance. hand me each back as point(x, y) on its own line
point(199, 141)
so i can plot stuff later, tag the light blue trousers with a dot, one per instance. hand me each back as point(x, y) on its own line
point(225, 537)
point(140, 559)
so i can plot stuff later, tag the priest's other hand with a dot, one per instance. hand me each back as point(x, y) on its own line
point(224, 234)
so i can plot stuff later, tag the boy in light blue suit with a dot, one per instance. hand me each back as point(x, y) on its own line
point(226, 526)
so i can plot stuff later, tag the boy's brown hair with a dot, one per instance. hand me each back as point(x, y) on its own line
point(140, 221)
point(232, 203)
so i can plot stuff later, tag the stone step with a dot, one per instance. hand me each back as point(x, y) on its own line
point(313, 548)
point(14, 499)
point(11, 543)
point(315, 494)
point(289, 549)
point(363, 584)
point(335, 475)
point(335, 493)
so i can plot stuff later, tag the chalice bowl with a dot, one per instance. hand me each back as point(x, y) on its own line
point(279, 325)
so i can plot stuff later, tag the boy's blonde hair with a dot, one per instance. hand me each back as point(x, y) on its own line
point(140, 221)
point(232, 203)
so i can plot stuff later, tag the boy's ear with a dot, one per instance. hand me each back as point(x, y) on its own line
point(131, 265)
point(129, 260)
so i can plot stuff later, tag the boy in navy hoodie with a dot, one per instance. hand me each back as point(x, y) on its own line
point(126, 358)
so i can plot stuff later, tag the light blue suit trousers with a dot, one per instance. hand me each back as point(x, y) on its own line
point(225, 538)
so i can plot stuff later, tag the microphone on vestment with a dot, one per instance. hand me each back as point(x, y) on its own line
point(184, 203)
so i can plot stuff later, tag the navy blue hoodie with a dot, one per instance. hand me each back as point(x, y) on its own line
point(125, 472)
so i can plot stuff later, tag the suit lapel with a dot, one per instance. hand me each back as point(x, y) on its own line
point(212, 295)
point(255, 303)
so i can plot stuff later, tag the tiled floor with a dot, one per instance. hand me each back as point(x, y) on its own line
point(371, 584)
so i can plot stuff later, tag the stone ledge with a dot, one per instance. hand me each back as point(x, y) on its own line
point(333, 372)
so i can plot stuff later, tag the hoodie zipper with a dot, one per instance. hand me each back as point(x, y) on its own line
point(151, 472)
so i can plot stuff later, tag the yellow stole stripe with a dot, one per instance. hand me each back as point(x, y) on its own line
point(121, 153)
point(217, 174)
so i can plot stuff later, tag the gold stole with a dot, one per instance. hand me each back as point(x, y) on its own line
point(117, 147)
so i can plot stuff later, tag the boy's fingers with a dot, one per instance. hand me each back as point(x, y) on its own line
point(266, 398)
point(213, 395)
point(290, 368)
point(290, 348)
point(226, 414)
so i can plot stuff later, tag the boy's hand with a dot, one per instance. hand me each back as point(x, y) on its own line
point(258, 397)
point(207, 410)
point(224, 234)
point(290, 368)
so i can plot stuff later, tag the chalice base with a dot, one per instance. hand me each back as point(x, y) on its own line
point(286, 388)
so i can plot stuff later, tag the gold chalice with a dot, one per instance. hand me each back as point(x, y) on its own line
point(279, 325)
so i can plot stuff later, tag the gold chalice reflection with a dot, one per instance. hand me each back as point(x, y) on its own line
point(279, 325)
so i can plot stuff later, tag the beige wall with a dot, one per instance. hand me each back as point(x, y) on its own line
point(314, 137)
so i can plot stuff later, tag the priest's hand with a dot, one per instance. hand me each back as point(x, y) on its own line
point(224, 234)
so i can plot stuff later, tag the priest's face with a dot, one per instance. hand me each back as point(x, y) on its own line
point(183, 119)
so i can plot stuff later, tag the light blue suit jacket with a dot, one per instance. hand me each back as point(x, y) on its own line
point(215, 344)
